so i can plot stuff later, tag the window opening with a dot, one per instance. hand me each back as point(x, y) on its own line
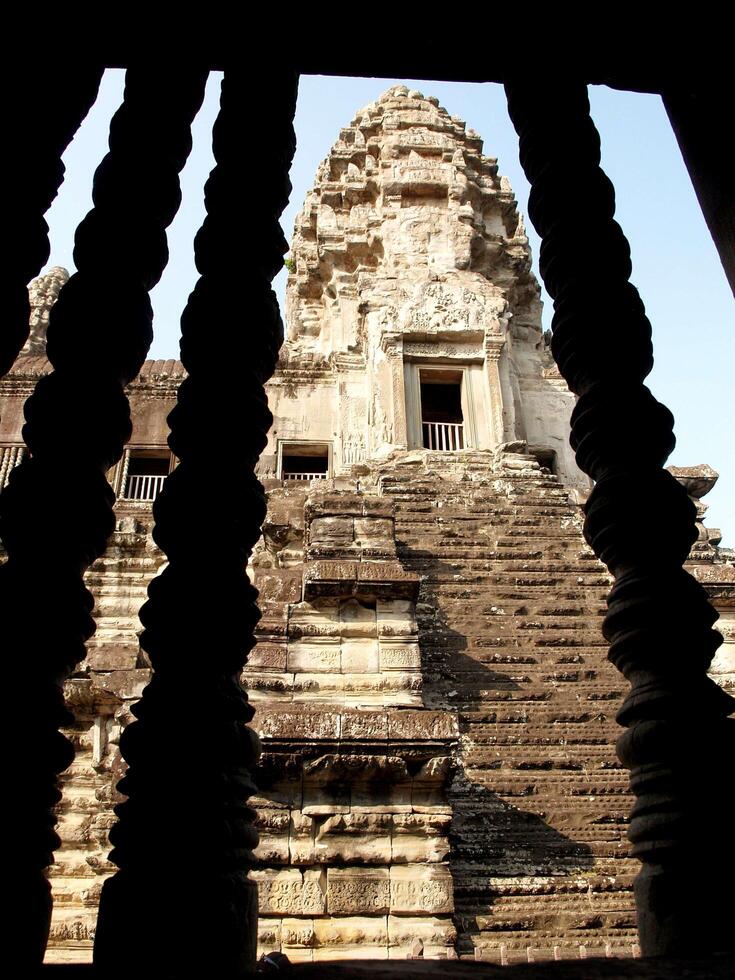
point(146, 472)
point(545, 457)
point(304, 461)
point(442, 423)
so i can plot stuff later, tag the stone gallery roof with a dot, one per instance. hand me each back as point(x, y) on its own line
point(164, 369)
point(34, 365)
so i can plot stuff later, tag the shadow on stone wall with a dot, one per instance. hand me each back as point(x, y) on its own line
point(495, 843)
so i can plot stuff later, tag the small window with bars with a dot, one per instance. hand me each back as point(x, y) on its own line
point(442, 422)
point(144, 472)
point(304, 461)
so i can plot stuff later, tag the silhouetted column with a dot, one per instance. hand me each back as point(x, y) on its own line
point(182, 902)
point(640, 522)
point(697, 107)
point(45, 106)
point(56, 513)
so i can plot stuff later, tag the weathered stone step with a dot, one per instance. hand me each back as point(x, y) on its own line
point(498, 576)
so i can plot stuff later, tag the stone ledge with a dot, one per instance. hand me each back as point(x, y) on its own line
point(361, 579)
point(396, 726)
point(663, 968)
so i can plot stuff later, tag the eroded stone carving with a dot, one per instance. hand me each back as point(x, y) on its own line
point(42, 294)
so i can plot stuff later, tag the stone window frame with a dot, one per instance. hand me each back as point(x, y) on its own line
point(118, 475)
point(468, 395)
point(304, 442)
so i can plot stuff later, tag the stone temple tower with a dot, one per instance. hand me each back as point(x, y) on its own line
point(432, 689)
point(411, 303)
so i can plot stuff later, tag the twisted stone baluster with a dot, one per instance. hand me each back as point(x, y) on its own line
point(185, 836)
point(56, 513)
point(639, 521)
point(47, 104)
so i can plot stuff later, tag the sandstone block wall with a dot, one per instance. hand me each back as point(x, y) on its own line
point(353, 814)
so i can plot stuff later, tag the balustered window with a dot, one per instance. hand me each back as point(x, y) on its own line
point(442, 419)
point(304, 461)
point(145, 473)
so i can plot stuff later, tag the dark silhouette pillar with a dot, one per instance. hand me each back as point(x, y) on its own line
point(678, 741)
point(697, 108)
point(46, 103)
point(56, 514)
point(182, 903)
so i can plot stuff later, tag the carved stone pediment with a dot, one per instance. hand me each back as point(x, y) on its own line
point(440, 348)
point(443, 308)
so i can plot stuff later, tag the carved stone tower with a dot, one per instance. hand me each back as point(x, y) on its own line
point(411, 305)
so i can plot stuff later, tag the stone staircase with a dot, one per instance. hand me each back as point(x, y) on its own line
point(509, 614)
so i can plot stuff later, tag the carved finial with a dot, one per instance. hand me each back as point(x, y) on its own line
point(42, 294)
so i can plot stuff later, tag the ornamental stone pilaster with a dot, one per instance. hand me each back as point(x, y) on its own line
point(391, 344)
point(493, 346)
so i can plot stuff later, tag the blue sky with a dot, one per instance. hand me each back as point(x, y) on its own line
point(675, 264)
